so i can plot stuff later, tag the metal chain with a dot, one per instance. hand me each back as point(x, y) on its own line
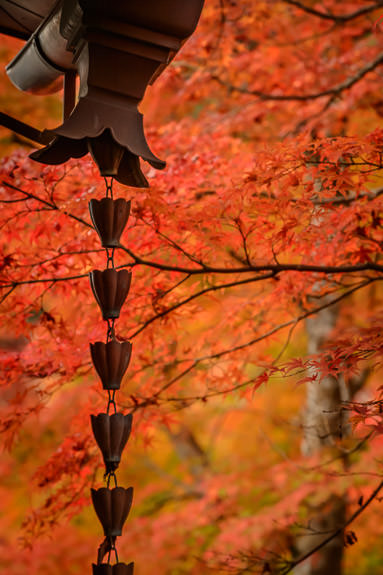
point(111, 400)
point(110, 332)
point(109, 187)
point(110, 476)
point(110, 258)
point(112, 548)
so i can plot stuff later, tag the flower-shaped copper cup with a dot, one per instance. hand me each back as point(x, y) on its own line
point(112, 507)
point(111, 433)
point(111, 361)
point(110, 288)
point(109, 219)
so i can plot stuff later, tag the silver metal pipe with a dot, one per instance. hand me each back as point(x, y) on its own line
point(39, 66)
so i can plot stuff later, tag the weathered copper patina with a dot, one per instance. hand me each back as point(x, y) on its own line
point(111, 361)
point(111, 433)
point(109, 218)
point(110, 288)
point(112, 507)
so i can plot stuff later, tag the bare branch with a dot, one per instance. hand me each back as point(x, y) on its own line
point(204, 268)
point(273, 269)
point(338, 18)
point(335, 533)
point(196, 295)
point(335, 91)
point(276, 268)
point(51, 205)
point(197, 361)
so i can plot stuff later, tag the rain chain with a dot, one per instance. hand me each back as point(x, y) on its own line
point(117, 49)
point(111, 358)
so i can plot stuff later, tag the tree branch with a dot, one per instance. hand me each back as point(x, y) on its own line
point(196, 295)
point(335, 91)
point(276, 268)
point(338, 18)
point(273, 269)
point(51, 205)
point(203, 268)
point(320, 545)
point(197, 361)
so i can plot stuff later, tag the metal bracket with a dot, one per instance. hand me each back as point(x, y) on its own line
point(25, 130)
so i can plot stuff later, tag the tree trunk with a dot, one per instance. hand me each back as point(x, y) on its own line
point(324, 422)
point(326, 518)
point(324, 419)
point(189, 451)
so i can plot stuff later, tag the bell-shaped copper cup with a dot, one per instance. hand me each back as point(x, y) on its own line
point(112, 507)
point(110, 288)
point(117, 569)
point(111, 433)
point(106, 152)
point(111, 361)
point(109, 219)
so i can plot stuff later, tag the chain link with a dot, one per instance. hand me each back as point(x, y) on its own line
point(110, 332)
point(111, 400)
point(112, 548)
point(110, 258)
point(109, 188)
point(109, 476)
